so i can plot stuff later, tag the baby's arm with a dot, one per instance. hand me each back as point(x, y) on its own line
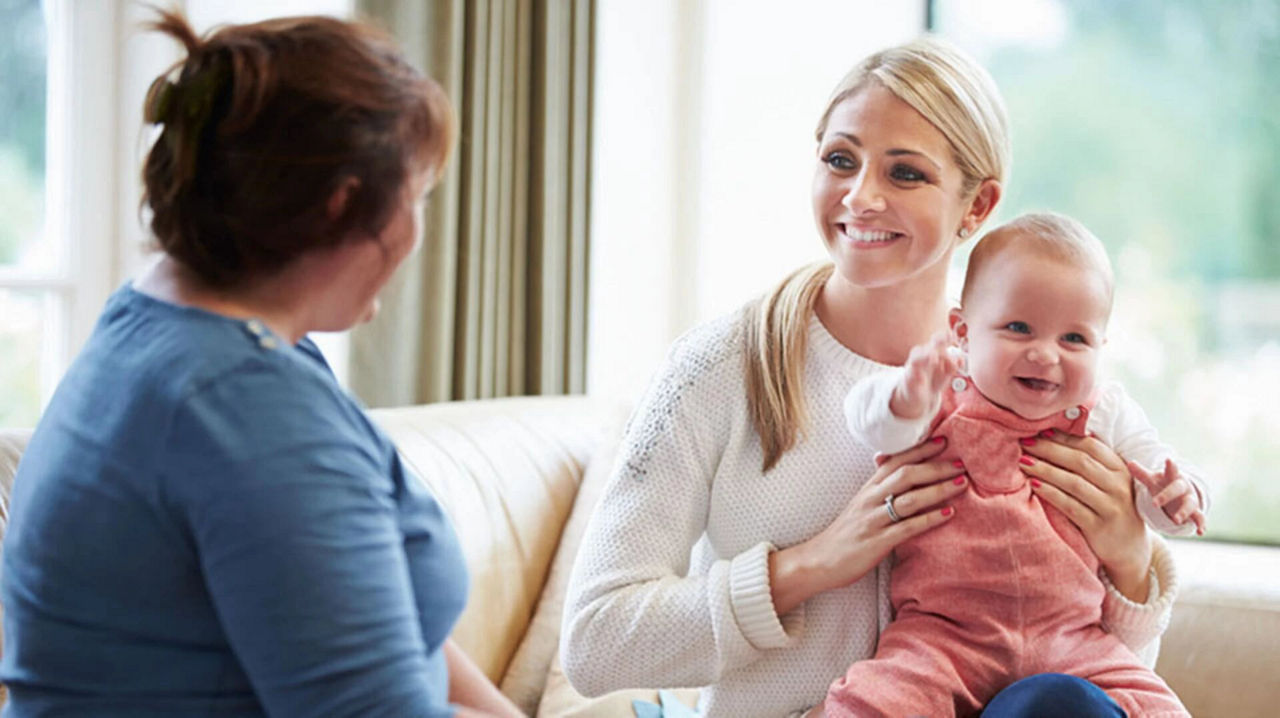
point(892, 411)
point(1172, 492)
point(1124, 426)
point(924, 376)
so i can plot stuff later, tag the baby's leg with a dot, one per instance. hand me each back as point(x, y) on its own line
point(918, 670)
point(1106, 662)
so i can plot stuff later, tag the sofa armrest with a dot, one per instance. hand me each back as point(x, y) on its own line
point(1222, 648)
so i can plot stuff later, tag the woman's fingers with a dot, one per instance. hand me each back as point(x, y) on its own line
point(921, 499)
point(1079, 514)
point(916, 525)
point(1067, 482)
point(1086, 457)
point(917, 476)
point(914, 455)
point(1085, 446)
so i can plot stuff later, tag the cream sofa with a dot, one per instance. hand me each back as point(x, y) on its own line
point(519, 477)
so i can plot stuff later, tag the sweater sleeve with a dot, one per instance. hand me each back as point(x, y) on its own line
point(634, 617)
point(867, 414)
point(1140, 625)
point(1120, 422)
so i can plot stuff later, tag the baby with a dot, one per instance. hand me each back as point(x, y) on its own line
point(1009, 587)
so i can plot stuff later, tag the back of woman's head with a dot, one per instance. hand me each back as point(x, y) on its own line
point(950, 90)
point(264, 123)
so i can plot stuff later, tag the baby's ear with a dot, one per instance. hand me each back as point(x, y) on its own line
point(959, 330)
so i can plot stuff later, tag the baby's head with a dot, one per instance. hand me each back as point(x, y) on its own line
point(1033, 313)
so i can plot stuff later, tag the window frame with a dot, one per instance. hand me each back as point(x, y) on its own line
point(91, 182)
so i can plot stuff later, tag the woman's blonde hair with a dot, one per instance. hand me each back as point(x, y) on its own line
point(957, 96)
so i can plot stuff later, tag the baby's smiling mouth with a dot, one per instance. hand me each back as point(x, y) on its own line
point(1036, 384)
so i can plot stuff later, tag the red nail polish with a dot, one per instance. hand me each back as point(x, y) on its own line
point(1026, 460)
point(958, 464)
point(1035, 483)
point(958, 481)
point(948, 511)
point(938, 439)
point(1027, 441)
point(1047, 433)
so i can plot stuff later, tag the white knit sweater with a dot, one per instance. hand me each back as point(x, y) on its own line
point(671, 585)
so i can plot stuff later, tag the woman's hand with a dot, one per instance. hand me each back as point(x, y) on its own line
point(864, 533)
point(471, 691)
point(1084, 479)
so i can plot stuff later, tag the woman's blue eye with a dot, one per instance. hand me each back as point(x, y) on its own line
point(1019, 327)
point(903, 173)
point(840, 161)
point(1075, 338)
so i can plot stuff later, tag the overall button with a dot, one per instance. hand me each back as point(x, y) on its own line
point(1073, 413)
point(958, 385)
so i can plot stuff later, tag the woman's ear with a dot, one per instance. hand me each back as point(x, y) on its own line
point(340, 199)
point(984, 203)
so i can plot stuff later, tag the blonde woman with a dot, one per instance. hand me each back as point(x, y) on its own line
point(741, 542)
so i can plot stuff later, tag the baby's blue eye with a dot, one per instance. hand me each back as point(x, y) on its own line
point(1019, 327)
point(1075, 338)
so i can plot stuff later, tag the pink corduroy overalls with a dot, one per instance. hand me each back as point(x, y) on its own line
point(1006, 589)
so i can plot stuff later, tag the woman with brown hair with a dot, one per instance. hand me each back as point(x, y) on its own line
point(740, 544)
point(204, 523)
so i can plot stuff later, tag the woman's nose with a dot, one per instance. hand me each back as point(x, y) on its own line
point(864, 195)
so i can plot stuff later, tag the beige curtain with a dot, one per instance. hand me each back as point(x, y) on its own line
point(495, 303)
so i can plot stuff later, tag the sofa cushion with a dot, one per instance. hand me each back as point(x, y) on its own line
point(527, 674)
point(506, 471)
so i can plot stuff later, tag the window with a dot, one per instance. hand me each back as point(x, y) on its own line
point(1154, 123)
point(72, 142)
point(30, 301)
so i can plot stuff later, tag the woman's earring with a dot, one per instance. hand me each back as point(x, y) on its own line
point(964, 232)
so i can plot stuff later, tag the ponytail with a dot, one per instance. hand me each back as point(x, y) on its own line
point(776, 338)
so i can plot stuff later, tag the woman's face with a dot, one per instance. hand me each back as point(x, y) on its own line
point(388, 250)
point(886, 192)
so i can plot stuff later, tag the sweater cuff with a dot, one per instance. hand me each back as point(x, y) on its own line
point(752, 600)
point(1138, 624)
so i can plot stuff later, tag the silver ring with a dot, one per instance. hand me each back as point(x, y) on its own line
point(888, 505)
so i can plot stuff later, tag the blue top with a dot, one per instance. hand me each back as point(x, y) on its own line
point(205, 524)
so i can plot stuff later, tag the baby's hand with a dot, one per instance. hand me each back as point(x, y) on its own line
point(1172, 493)
point(928, 368)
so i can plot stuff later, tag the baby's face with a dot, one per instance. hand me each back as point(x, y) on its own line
point(1032, 330)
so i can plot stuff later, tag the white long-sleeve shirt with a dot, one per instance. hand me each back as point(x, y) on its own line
point(1116, 419)
point(671, 585)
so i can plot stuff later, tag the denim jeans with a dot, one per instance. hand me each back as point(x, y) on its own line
point(1052, 695)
